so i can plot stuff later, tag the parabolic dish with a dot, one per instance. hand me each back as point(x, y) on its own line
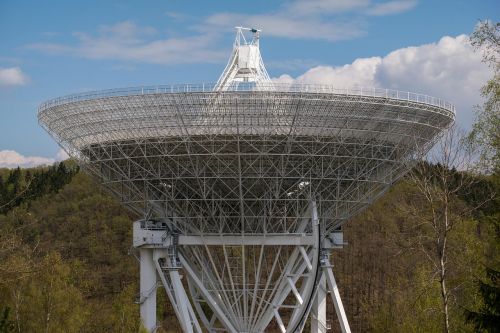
point(248, 159)
point(244, 182)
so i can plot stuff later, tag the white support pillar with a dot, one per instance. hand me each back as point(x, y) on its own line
point(337, 302)
point(147, 290)
point(318, 318)
point(171, 280)
point(182, 301)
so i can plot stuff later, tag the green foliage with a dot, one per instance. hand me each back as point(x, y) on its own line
point(22, 186)
point(486, 129)
point(76, 240)
point(52, 302)
point(6, 325)
point(126, 312)
point(486, 38)
point(487, 319)
point(414, 309)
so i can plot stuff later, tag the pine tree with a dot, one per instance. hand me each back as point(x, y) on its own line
point(487, 319)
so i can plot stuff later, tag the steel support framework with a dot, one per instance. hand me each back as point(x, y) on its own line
point(217, 291)
point(242, 182)
point(232, 174)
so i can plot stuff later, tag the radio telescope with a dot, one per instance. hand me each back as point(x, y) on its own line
point(243, 185)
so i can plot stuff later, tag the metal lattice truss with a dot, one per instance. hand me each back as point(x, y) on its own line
point(237, 284)
point(245, 161)
point(272, 281)
point(231, 170)
point(245, 64)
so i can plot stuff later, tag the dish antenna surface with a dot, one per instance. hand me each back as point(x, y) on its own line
point(243, 185)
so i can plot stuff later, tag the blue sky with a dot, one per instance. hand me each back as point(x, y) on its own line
point(54, 48)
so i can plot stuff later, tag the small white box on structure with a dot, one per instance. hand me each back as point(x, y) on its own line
point(150, 234)
point(334, 240)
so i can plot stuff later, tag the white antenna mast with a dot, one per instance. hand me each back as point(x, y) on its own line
point(245, 64)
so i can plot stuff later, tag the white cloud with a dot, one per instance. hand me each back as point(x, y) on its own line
point(128, 41)
point(392, 7)
point(448, 69)
point(12, 76)
point(12, 159)
point(292, 64)
point(50, 34)
point(284, 79)
point(286, 25)
point(312, 19)
point(306, 7)
point(177, 16)
point(360, 73)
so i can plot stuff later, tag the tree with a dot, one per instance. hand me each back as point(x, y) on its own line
point(53, 303)
point(486, 129)
point(486, 132)
point(437, 205)
point(126, 312)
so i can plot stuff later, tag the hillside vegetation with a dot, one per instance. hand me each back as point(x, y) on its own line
point(66, 263)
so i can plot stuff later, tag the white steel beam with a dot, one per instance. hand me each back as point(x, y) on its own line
point(237, 240)
point(305, 257)
point(279, 321)
point(318, 315)
point(337, 302)
point(166, 283)
point(182, 300)
point(147, 290)
point(176, 294)
point(294, 290)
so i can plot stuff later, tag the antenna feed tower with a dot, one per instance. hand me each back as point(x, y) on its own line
point(245, 64)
